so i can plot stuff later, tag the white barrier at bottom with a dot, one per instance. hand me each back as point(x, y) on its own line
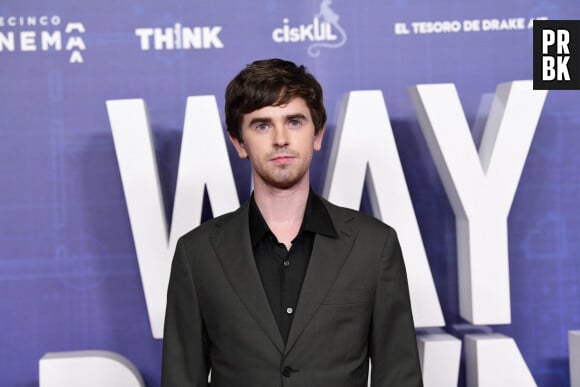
point(494, 360)
point(439, 355)
point(87, 369)
point(574, 349)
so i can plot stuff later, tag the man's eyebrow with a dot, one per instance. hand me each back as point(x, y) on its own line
point(265, 120)
point(260, 120)
point(295, 116)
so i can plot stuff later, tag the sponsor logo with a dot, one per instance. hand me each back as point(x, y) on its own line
point(179, 37)
point(325, 31)
point(42, 33)
point(557, 54)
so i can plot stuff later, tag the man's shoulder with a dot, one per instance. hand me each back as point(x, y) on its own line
point(209, 227)
point(359, 219)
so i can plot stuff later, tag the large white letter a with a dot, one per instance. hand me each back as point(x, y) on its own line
point(364, 148)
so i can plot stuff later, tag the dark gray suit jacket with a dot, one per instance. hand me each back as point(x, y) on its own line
point(354, 305)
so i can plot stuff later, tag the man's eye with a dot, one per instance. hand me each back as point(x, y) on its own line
point(261, 127)
point(294, 123)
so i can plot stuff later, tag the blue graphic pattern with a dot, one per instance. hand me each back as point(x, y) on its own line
point(69, 278)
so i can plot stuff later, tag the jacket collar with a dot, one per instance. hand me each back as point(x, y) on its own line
point(232, 244)
point(316, 219)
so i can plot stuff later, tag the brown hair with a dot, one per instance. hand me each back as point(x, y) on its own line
point(271, 82)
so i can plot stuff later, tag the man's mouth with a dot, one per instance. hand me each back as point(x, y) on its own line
point(282, 156)
point(281, 159)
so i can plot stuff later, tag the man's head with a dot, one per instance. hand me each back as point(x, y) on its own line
point(271, 82)
point(275, 118)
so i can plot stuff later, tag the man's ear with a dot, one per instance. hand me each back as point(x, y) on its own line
point(318, 139)
point(240, 147)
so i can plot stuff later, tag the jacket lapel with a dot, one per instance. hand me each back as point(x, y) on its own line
point(234, 251)
point(327, 258)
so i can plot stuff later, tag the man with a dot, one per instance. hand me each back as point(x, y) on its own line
point(289, 290)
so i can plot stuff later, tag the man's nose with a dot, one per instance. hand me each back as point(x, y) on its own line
point(280, 135)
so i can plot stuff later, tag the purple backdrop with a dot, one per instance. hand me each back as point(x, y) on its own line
point(69, 278)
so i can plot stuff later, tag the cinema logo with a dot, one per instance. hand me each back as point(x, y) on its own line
point(557, 54)
point(325, 31)
point(179, 37)
point(42, 33)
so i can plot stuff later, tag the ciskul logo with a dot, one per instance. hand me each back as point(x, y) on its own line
point(325, 31)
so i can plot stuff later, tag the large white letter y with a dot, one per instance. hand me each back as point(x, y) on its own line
point(480, 187)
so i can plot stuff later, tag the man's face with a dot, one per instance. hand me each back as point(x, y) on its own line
point(279, 141)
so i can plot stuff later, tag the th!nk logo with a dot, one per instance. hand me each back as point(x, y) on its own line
point(179, 37)
point(42, 33)
point(325, 31)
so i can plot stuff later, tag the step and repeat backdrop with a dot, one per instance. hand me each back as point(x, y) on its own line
point(79, 79)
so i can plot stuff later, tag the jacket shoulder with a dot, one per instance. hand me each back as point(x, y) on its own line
point(359, 219)
point(209, 227)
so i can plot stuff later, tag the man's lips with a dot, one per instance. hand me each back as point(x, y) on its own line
point(282, 158)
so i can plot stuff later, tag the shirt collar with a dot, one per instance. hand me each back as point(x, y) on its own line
point(316, 219)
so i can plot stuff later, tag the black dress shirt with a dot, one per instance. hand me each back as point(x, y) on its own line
point(282, 271)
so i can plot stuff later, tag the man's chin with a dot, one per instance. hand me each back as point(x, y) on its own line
point(283, 182)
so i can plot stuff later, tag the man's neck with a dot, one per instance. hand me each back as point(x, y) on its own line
point(283, 209)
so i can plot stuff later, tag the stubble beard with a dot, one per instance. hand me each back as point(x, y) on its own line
point(283, 176)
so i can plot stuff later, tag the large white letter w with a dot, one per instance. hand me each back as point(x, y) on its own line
point(203, 161)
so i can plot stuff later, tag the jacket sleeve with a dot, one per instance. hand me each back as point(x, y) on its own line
point(392, 343)
point(185, 346)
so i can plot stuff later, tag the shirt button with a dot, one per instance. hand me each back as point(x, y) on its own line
point(287, 372)
point(289, 310)
point(286, 263)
